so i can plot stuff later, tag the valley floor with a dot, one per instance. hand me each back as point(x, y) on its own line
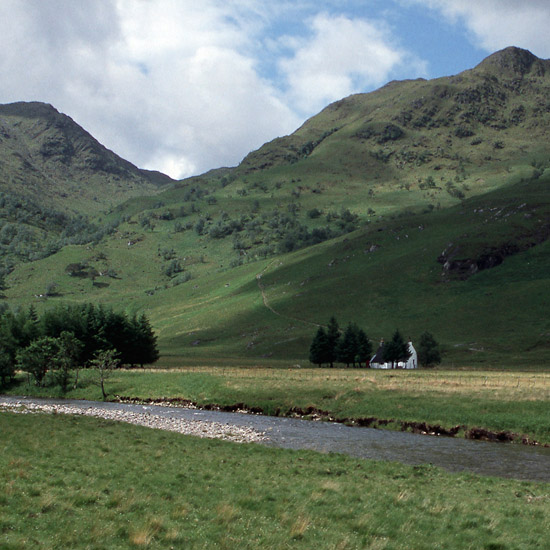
point(509, 405)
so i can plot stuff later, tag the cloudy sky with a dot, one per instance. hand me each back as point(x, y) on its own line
point(184, 86)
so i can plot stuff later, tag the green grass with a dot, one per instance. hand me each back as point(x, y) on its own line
point(498, 401)
point(497, 316)
point(85, 483)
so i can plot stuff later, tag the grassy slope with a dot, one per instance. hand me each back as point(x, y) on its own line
point(498, 314)
point(96, 484)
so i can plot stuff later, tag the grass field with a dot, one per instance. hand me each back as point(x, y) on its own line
point(497, 401)
point(270, 308)
point(83, 483)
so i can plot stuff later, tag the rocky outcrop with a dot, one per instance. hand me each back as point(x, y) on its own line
point(459, 265)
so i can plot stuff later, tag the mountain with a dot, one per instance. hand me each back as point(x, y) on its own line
point(46, 156)
point(53, 176)
point(424, 205)
point(460, 128)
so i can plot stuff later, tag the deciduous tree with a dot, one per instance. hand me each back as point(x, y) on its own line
point(37, 358)
point(105, 362)
point(7, 369)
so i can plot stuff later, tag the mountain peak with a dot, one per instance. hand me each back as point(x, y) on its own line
point(514, 61)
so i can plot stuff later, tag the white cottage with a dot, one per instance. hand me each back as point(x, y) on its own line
point(377, 360)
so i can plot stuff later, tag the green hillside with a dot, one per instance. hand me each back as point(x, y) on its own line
point(422, 206)
point(53, 176)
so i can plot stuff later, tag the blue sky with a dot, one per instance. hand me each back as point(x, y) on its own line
point(183, 86)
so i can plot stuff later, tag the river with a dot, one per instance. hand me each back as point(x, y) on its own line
point(453, 454)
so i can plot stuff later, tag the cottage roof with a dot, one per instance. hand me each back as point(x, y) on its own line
point(379, 355)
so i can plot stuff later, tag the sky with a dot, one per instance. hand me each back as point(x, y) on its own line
point(183, 86)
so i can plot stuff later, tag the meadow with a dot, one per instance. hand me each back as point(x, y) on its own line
point(84, 483)
point(511, 401)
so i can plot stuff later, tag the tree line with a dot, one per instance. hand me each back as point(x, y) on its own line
point(65, 338)
point(329, 346)
point(352, 347)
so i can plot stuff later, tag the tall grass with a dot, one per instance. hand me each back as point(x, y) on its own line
point(85, 483)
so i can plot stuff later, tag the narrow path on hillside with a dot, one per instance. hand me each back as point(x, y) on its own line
point(270, 307)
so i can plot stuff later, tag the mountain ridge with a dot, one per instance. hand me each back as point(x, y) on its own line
point(472, 101)
point(423, 205)
point(44, 151)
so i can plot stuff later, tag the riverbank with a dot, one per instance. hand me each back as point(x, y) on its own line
point(208, 429)
point(490, 405)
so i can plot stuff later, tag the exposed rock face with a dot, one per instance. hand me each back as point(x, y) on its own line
point(457, 266)
point(462, 268)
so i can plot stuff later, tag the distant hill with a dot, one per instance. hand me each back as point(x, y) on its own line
point(424, 205)
point(46, 156)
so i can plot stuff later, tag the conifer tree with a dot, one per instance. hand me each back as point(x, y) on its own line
point(348, 348)
point(396, 349)
point(428, 350)
point(148, 341)
point(318, 351)
point(333, 338)
point(364, 347)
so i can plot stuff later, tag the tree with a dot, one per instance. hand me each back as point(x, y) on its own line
point(7, 369)
point(396, 349)
point(428, 350)
point(318, 351)
point(333, 337)
point(364, 347)
point(67, 359)
point(148, 350)
point(100, 328)
point(51, 289)
point(105, 362)
point(348, 347)
point(3, 284)
point(38, 357)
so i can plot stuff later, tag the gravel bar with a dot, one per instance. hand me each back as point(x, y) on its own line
point(199, 428)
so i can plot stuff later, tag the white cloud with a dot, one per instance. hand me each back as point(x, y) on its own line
point(341, 57)
point(182, 86)
point(167, 84)
point(496, 24)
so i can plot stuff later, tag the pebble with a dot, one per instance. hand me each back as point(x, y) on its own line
point(199, 428)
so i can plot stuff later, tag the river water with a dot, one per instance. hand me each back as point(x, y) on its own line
point(453, 454)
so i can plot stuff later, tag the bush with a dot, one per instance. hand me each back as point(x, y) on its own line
point(314, 213)
point(173, 268)
point(182, 278)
